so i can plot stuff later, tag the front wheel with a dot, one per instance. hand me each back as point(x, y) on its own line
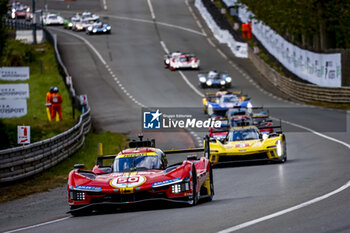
point(195, 198)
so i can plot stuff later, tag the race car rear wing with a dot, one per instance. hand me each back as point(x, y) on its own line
point(206, 149)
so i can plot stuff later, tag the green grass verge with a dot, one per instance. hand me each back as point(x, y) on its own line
point(57, 176)
point(43, 74)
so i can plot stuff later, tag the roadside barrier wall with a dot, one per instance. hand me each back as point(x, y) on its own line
point(298, 90)
point(25, 161)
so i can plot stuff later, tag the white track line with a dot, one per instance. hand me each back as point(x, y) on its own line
point(304, 204)
point(190, 84)
point(104, 5)
point(105, 64)
point(279, 213)
point(315, 200)
point(151, 9)
point(164, 46)
point(37, 225)
point(158, 23)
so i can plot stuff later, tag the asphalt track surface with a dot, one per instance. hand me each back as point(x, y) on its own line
point(259, 196)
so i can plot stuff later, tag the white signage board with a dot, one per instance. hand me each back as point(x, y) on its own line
point(11, 108)
point(14, 73)
point(14, 91)
point(83, 99)
point(318, 68)
point(23, 134)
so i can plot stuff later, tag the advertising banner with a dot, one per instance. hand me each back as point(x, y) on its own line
point(10, 108)
point(14, 73)
point(14, 91)
point(318, 68)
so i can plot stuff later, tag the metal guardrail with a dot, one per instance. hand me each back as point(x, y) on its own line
point(298, 90)
point(25, 161)
point(21, 162)
point(301, 91)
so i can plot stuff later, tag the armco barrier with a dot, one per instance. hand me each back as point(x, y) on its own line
point(25, 161)
point(21, 162)
point(295, 89)
point(298, 90)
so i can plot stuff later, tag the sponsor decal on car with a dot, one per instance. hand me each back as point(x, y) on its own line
point(128, 181)
point(88, 188)
point(166, 182)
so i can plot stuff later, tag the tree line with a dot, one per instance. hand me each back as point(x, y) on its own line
point(312, 24)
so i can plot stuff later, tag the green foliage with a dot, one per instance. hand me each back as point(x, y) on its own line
point(314, 23)
point(43, 74)
point(57, 176)
point(17, 53)
point(3, 12)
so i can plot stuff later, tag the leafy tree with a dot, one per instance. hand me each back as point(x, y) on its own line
point(317, 24)
point(3, 12)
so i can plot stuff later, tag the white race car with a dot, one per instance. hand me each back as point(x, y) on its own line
point(53, 19)
point(89, 16)
point(178, 60)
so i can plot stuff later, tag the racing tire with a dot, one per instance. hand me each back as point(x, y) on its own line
point(211, 184)
point(284, 157)
point(78, 213)
point(195, 198)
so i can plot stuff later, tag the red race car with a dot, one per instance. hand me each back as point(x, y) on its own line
point(140, 174)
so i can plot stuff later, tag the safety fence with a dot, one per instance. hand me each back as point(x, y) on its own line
point(298, 90)
point(301, 91)
point(24, 161)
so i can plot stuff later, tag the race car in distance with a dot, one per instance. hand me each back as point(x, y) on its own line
point(98, 28)
point(53, 19)
point(225, 101)
point(214, 79)
point(81, 25)
point(139, 174)
point(89, 16)
point(68, 23)
point(247, 143)
point(178, 60)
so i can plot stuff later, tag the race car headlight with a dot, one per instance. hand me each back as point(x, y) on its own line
point(209, 83)
point(70, 25)
point(222, 82)
point(249, 105)
point(202, 79)
point(279, 148)
point(167, 61)
point(94, 31)
point(104, 30)
point(179, 188)
point(76, 195)
point(109, 27)
point(228, 79)
point(90, 28)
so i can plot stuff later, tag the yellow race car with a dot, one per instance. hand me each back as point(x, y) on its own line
point(247, 143)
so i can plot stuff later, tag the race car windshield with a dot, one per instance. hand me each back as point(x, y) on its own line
point(183, 59)
point(136, 163)
point(52, 17)
point(241, 135)
point(230, 99)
